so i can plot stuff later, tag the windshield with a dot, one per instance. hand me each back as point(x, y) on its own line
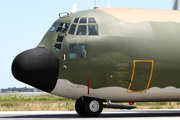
point(53, 27)
point(85, 26)
point(62, 27)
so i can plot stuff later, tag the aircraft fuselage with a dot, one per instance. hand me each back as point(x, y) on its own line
point(125, 55)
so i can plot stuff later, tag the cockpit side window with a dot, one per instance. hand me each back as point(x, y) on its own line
point(58, 42)
point(72, 51)
point(81, 30)
point(53, 27)
point(57, 47)
point(82, 50)
point(62, 27)
point(59, 38)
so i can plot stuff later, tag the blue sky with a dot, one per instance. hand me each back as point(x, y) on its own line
point(23, 23)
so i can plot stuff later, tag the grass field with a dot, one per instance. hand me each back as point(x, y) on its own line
point(54, 103)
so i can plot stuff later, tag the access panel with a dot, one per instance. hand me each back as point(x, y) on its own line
point(141, 76)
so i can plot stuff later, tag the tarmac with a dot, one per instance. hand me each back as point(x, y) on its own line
point(165, 114)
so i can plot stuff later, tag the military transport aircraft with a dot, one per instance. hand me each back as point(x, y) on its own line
point(107, 55)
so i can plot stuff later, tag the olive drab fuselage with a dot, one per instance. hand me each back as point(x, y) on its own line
point(116, 58)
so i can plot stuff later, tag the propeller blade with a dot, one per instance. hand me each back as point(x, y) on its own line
point(176, 5)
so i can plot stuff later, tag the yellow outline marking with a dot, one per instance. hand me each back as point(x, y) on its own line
point(152, 61)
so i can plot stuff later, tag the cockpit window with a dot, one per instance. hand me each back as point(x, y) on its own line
point(72, 51)
point(82, 50)
point(85, 26)
point(57, 47)
point(81, 30)
point(53, 27)
point(58, 42)
point(62, 27)
point(91, 20)
point(59, 38)
point(76, 20)
point(72, 29)
point(83, 20)
point(92, 30)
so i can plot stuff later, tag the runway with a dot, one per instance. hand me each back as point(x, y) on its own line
point(107, 114)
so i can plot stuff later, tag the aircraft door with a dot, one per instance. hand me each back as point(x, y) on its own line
point(74, 65)
point(141, 76)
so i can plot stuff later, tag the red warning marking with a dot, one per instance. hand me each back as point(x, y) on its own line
point(88, 85)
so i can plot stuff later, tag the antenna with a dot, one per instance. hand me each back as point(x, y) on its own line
point(176, 5)
point(108, 5)
point(94, 3)
point(74, 8)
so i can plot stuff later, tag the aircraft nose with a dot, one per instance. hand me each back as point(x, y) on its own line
point(38, 67)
